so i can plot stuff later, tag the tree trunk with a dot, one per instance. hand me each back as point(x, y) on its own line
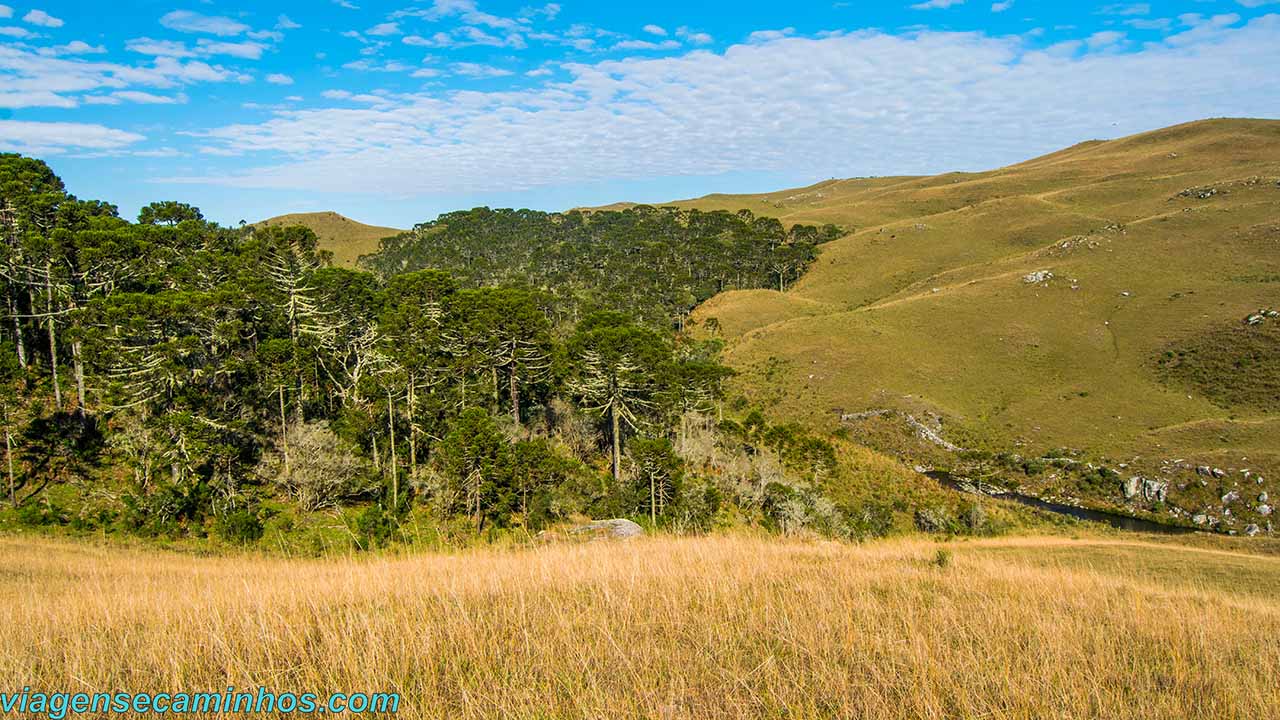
point(493, 378)
point(515, 398)
point(284, 431)
point(8, 456)
point(395, 479)
point(413, 428)
point(653, 500)
point(53, 336)
point(17, 334)
point(617, 444)
point(78, 364)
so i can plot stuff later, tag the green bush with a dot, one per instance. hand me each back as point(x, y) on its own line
point(374, 527)
point(239, 526)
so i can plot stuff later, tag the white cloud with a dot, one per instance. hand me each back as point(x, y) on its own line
point(646, 45)
point(284, 23)
point(165, 48)
point(548, 11)
point(367, 65)
point(763, 36)
point(1001, 6)
point(1152, 24)
point(383, 29)
point(34, 98)
point(193, 22)
point(655, 30)
point(247, 50)
point(1105, 39)
point(29, 75)
point(75, 47)
point(1257, 3)
point(469, 13)
point(279, 79)
point(15, 32)
point(1126, 9)
point(146, 98)
point(477, 70)
point(42, 18)
point(465, 37)
point(53, 138)
point(693, 37)
point(6, 11)
point(346, 4)
point(864, 103)
point(936, 4)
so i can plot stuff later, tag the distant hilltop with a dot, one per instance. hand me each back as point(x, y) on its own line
point(347, 239)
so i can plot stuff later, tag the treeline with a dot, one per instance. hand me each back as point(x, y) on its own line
point(656, 264)
point(170, 376)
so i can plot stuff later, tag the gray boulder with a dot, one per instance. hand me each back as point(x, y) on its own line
point(617, 529)
point(1155, 490)
point(1200, 519)
point(1219, 473)
point(1264, 510)
point(1131, 487)
point(1252, 530)
point(1230, 497)
point(1263, 497)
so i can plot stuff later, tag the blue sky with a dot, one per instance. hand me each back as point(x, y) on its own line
point(393, 111)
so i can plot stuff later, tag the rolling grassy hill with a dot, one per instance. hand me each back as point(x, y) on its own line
point(342, 236)
point(1153, 250)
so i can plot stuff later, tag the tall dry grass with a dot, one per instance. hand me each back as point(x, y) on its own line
point(721, 627)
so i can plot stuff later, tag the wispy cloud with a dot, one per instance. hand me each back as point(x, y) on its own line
point(852, 104)
point(192, 22)
point(55, 138)
point(42, 18)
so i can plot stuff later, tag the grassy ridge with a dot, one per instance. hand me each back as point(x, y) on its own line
point(342, 236)
point(696, 628)
point(1152, 240)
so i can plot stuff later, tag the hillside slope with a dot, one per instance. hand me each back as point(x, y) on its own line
point(340, 235)
point(1153, 250)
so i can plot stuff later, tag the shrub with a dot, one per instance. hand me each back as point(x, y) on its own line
point(373, 527)
point(321, 473)
point(239, 526)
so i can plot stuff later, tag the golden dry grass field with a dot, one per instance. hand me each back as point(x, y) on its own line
point(719, 627)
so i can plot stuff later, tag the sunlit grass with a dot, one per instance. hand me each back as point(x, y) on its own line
point(713, 627)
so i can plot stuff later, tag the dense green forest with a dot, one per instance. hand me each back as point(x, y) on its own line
point(173, 377)
point(654, 263)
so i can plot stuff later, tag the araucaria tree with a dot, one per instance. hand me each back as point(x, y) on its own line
point(171, 375)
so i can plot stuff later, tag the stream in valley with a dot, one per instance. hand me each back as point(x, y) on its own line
point(1115, 520)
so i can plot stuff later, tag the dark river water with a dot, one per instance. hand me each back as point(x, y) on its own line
point(1115, 520)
